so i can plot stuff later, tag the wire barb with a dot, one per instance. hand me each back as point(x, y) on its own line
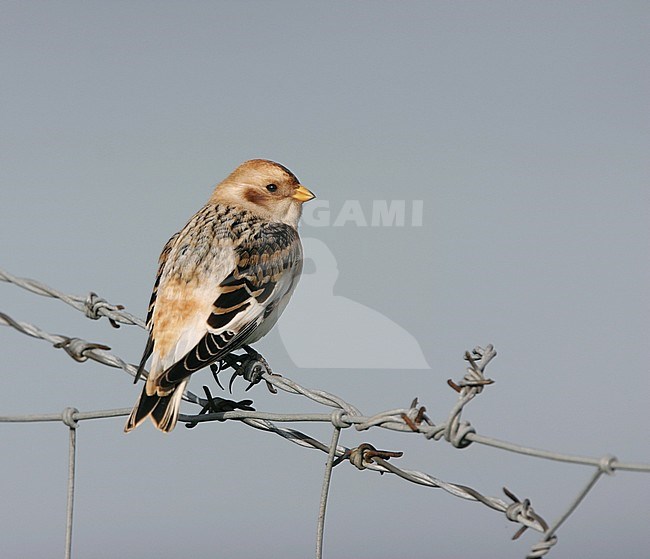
point(364, 454)
point(415, 416)
point(413, 419)
point(77, 348)
point(522, 509)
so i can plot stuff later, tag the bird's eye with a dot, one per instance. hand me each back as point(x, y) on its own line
point(271, 187)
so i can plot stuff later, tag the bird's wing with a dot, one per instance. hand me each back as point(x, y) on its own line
point(267, 264)
point(152, 302)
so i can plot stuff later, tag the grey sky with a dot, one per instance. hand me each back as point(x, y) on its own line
point(524, 129)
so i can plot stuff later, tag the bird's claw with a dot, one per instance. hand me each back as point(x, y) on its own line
point(250, 365)
point(216, 368)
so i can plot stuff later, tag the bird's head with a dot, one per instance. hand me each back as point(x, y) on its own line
point(265, 188)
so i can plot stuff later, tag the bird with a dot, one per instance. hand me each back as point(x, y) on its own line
point(222, 282)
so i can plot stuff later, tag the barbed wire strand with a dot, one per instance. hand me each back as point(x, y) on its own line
point(93, 306)
point(80, 350)
point(412, 419)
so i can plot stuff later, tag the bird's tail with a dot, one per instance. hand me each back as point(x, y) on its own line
point(163, 410)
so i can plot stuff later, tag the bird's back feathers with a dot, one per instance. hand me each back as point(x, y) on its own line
point(222, 282)
point(214, 288)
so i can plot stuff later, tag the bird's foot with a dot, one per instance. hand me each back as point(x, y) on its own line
point(250, 365)
point(214, 404)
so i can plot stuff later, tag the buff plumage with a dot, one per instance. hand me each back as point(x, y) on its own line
point(222, 282)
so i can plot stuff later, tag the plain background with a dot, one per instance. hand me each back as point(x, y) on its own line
point(524, 129)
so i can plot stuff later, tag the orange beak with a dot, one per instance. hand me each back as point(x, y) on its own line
point(303, 194)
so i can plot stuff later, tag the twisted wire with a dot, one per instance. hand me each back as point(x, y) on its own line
point(93, 306)
point(458, 432)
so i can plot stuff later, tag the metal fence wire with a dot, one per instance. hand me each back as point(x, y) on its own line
point(339, 413)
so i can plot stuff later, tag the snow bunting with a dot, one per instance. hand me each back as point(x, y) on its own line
point(222, 282)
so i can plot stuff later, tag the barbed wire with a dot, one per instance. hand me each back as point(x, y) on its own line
point(414, 419)
point(93, 306)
